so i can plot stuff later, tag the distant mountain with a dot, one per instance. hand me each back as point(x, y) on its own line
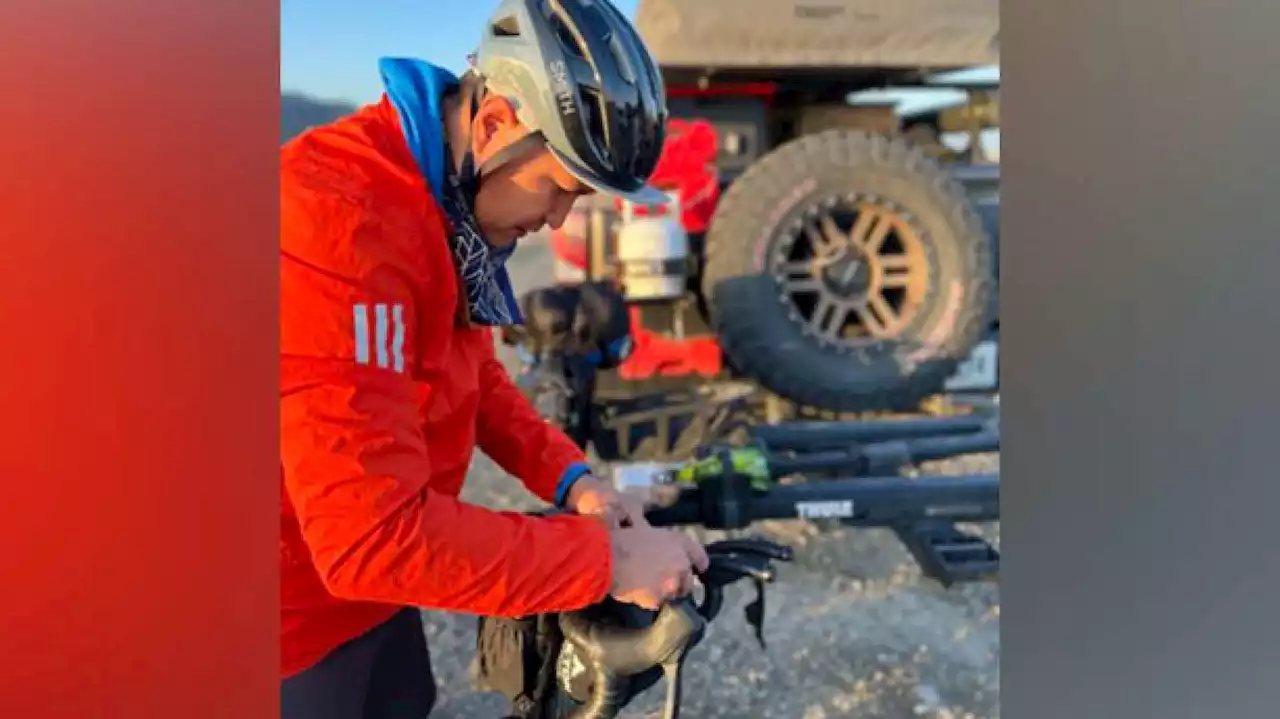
point(299, 112)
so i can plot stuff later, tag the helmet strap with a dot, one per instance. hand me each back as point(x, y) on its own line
point(466, 177)
point(471, 174)
point(529, 142)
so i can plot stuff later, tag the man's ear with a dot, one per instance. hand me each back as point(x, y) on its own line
point(494, 127)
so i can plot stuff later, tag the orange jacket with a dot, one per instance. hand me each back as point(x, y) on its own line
point(384, 395)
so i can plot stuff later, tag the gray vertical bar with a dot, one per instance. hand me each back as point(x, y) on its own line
point(360, 327)
point(1140, 314)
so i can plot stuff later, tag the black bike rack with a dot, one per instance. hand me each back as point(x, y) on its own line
point(812, 436)
point(948, 555)
point(922, 512)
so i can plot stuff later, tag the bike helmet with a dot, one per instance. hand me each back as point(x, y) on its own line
point(581, 78)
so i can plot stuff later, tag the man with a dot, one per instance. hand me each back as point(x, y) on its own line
point(394, 225)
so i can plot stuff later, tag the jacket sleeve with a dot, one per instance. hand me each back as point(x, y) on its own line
point(515, 436)
point(353, 456)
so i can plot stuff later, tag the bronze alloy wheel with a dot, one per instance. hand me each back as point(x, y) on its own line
point(852, 270)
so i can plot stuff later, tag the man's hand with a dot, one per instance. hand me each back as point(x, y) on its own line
point(592, 497)
point(652, 566)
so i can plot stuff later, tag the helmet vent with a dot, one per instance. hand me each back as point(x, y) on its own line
point(591, 111)
point(508, 26)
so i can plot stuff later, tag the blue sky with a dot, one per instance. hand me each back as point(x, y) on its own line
point(329, 48)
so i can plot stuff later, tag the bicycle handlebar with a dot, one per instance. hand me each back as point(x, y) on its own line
point(616, 654)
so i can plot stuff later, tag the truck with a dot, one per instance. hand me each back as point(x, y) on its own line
point(822, 254)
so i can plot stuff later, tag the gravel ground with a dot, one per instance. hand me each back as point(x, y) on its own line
point(852, 628)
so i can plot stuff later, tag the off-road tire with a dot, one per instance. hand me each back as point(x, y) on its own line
point(760, 334)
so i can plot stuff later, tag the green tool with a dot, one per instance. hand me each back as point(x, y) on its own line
point(749, 461)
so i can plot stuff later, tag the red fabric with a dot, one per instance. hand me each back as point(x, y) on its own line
point(377, 429)
point(654, 354)
point(569, 242)
point(687, 164)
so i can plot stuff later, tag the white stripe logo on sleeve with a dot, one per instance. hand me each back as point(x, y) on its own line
point(386, 346)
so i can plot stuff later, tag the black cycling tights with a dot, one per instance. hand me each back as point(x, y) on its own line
point(384, 674)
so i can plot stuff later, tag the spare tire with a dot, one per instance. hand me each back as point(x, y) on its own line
point(849, 272)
